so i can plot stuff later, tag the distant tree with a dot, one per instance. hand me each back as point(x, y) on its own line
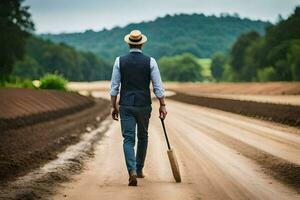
point(229, 75)
point(266, 74)
point(252, 61)
point(239, 48)
point(27, 68)
point(279, 18)
point(281, 42)
point(236, 15)
point(277, 58)
point(294, 60)
point(272, 57)
point(218, 65)
point(182, 68)
point(15, 25)
point(284, 30)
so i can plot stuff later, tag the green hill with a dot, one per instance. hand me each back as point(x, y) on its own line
point(170, 35)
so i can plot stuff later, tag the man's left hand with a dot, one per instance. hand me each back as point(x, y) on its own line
point(162, 112)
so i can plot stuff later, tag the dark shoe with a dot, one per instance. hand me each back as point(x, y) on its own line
point(140, 174)
point(132, 179)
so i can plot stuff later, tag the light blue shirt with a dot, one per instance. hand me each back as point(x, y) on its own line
point(155, 77)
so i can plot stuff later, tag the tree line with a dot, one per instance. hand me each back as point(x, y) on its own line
point(197, 34)
point(254, 56)
point(15, 25)
point(46, 57)
point(274, 56)
point(24, 55)
point(181, 68)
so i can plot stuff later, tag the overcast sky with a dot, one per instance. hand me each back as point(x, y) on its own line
point(57, 16)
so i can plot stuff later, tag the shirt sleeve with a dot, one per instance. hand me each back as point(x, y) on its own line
point(115, 78)
point(158, 88)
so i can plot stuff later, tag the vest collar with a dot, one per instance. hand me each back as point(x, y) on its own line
point(135, 50)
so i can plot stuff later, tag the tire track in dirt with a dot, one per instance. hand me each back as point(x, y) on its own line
point(281, 169)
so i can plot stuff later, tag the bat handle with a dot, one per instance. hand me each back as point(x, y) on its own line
point(165, 132)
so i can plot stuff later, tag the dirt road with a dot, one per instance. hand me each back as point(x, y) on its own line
point(218, 153)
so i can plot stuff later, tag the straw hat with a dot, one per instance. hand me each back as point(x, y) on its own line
point(135, 37)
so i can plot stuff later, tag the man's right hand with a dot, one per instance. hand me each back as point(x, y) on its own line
point(162, 112)
point(115, 114)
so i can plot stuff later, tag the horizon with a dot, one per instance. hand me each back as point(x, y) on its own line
point(51, 17)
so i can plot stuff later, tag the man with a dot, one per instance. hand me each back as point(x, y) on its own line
point(134, 72)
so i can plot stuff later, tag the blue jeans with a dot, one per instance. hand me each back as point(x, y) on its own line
point(135, 118)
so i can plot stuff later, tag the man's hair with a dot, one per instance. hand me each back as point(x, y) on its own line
point(139, 46)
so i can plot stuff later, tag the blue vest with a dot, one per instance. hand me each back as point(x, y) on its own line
point(135, 79)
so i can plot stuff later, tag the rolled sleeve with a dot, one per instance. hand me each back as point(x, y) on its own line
point(115, 78)
point(158, 88)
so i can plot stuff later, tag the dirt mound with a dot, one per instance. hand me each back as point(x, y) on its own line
point(46, 128)
point(274, 88)
point(22, 107)
point(286, 114)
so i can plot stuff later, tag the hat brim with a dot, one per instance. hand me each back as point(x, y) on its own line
point(142, 41)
